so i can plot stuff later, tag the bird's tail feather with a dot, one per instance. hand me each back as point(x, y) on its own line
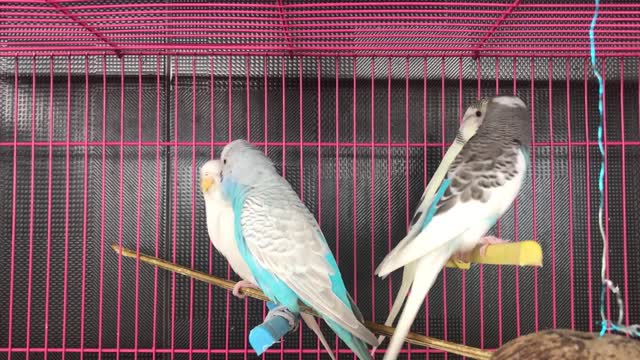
point(408, 275)
point(427, 269)
point(313, 325)
point(356, 345)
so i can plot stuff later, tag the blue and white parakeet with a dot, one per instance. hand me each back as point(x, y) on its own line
point(283, 245)
point(220, 220)
point(481, 183)
point(221, 229)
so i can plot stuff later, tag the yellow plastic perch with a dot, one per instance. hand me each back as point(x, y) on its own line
point(521, 253)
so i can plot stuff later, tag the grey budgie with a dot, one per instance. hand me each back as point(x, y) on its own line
point(481, 183)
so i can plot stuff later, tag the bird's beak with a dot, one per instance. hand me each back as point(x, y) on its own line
point(206, 183)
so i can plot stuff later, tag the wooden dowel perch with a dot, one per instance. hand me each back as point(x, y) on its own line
point(412, 338)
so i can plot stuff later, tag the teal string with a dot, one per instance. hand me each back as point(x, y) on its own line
point(606, 283)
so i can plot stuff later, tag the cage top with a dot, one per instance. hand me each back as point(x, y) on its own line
point(302, 27)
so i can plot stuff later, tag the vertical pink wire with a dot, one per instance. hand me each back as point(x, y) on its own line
point(138, 218)
point(211, 154)
point(301, 165)
point(102, 201)
point(121, 206)
point(284, 140)
point(533, 187)
point(355, 185)
point(175, 210)
point(424, 168)
point(515, 220)
point(443, 131)
point(554, 309)
point(499, 228)
point(49, 201)
point(229, 138)
point(247, 67)
point(464, 273)
point(284, 117)
point(319, 131)
point(31, 203)
point(588, 175)
point(158, 198)
point(570, 174)
point(373, 187)
point(479, 79)
point(85, 202)
point(390, 289)
point(13, 205)
point(606, 173)
point(337, 204)
point(248, 107)
point(66, 214)
point(194, 187)
point(624, 196)
point(406, 156)
point(265, 71)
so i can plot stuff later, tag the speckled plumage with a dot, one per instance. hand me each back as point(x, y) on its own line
point(569, 345)
point(482, 181)
point(283, 244)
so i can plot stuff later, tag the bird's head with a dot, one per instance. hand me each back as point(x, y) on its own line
point(210, 175)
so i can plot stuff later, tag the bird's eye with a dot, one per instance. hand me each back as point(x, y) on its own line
point(224, 161)
point(478, 113)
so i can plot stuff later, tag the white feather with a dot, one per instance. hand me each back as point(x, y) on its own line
point(512, 101)
point(466, 222)
point(220, 220)
point(285, 240)
point(423, 256)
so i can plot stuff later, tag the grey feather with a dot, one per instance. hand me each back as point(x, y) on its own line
point(489, 158)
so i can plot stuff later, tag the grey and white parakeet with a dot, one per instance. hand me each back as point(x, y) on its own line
point(481, 183)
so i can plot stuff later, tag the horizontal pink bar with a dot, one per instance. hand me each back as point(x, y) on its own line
point(110, 17)
point(512, 24)
point(78, 34)
point(205, 351)
point(280, 143)
point(32, 52)
point(202, 47)
point(333, 4)
point(331, 43)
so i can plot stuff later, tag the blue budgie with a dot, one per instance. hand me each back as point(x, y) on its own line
point(221, 229)
point(283, 245)
point(481, 183)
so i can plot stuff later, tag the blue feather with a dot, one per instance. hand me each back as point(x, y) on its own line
point(437, 197)
point(273, 287)
point(276, 289)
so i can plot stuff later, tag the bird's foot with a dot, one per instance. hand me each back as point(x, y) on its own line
point(462, 256)
point(241, 285)
point(489, 240)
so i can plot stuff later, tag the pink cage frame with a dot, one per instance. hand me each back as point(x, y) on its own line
point(53, 32)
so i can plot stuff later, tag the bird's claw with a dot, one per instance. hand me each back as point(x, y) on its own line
point(462, 257)
point(241, 285)
point(489, 240)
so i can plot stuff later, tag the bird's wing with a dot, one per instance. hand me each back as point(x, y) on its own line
point(285, 240)
point(474, 192)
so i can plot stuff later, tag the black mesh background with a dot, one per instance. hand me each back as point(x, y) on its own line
point(361, 175)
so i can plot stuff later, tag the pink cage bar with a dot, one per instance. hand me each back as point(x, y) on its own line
point(108, 108)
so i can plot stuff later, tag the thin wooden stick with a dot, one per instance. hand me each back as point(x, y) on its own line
point(380, 329)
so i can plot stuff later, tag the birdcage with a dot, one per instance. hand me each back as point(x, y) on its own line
point(108, 108)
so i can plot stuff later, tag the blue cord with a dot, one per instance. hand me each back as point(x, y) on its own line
point(606, 283)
